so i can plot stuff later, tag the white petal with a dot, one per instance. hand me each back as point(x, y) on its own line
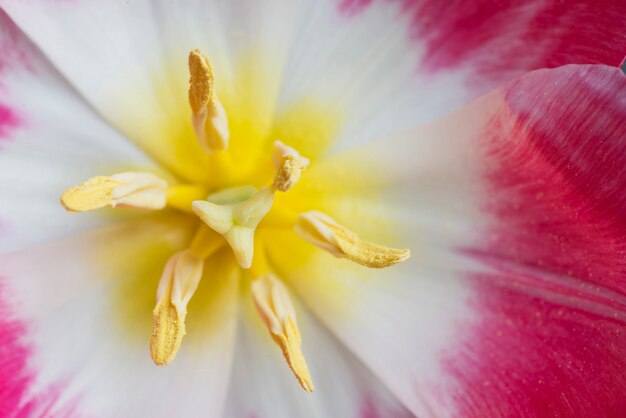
point(49, 140)
point(130, 61)
point(263, 386)
point(88, 303)
point(366, 69)
point(388, 65)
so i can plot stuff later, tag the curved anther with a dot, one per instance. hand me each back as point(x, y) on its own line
point(323, 231)
point(274, 305)
point(208, 115)
point(129, 189)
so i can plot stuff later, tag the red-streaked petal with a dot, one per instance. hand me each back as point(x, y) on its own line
point(388, 65)
point(495, 41)
point(514, 300)
point(17, 377)
point(558, 175)
point(371, 68)
point(549, 338)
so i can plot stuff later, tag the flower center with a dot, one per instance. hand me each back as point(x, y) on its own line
point(230, 216)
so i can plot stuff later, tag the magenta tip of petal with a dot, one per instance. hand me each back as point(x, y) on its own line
point(353, 7)
point(8, 121)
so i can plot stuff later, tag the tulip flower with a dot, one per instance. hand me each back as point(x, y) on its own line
point(315, 208)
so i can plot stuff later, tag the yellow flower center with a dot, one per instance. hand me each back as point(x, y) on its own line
point(240, 201)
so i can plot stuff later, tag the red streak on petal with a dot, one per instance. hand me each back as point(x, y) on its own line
point(369, 409)
point(14, 381)
point(13, 46)
point(562, 32)
point(558, 176)
point(353, 7)
point(16, 377)
point(8, 121)
point(500, 39)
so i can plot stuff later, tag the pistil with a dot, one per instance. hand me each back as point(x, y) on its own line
point(230, 215)
point(237, 222)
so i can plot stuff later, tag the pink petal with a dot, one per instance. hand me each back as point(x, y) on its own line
point(17, 380)
point(496, 41)
point(8, 121)
point(529, 356)
point(549, 340)
point(10, 53)
point(557, 175)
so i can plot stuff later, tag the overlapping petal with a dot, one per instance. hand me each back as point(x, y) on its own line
point(513, 300)
point(391, 64)
point(85, 307)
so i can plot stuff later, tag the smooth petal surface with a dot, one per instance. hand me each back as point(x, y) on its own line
point(513, 302)
point(49, 140)
point(85, 307)
point(263, 387)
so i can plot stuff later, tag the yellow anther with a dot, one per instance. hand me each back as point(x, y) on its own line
point(279, 316)
point(130, 189)
point(289, 166)
point(321, 230)
point(237, 222)
point(208, 115)
point(178, 283)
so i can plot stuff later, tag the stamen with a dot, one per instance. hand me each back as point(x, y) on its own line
point(130, 189)
point(208, 115)
point(279, 316)
point(237, 222)
point(289, 166)
point(178, 283)
point(321, 230)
